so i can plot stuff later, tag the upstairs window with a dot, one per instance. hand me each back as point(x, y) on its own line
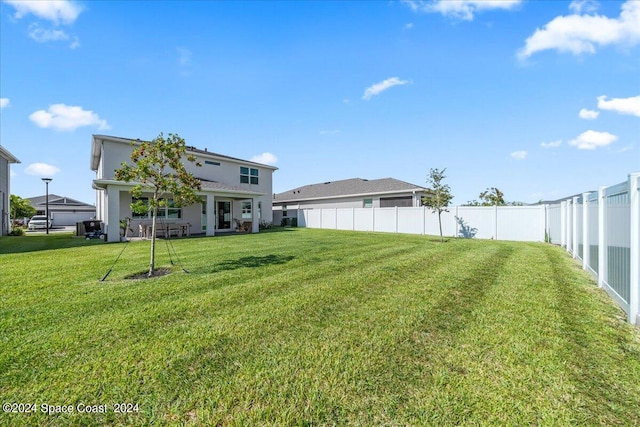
point(248, 175)
point(367, 203)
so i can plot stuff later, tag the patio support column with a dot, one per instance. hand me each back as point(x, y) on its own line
point(211, 215)
point(255, 219)
point(113, 214)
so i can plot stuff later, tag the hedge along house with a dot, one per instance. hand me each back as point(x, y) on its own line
point(347, 193)
point(233, 191)
point(6, 158)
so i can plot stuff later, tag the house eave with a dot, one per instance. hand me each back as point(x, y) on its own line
point(102, 184)
point(7, 155)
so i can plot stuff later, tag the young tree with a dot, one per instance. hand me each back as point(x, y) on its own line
point(440, 195)
point(21, 208)
point(158, 168)
point(492, 197)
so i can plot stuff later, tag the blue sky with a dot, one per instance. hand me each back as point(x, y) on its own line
point(538, 98)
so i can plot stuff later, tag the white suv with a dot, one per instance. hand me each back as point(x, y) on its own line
point(38, 221)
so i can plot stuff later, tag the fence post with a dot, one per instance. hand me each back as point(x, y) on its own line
point(563, 224)
point(396, 211)
point(569, 226)
point(495, 221)
point(353, 219)
point(574, 214)
point(373, 218)
point(602, 237)
point(634, 206)
point(585, 231)
point(424, 220)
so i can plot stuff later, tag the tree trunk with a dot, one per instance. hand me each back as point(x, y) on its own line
point(152, 258)
point(440, 224)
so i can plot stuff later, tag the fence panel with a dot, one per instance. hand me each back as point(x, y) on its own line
point(328, 218)
point(476, 222)
point(554, 221)
point(363, 219)
point(385, 220)
point(344, 219)
point(618, 240)
point(410, 220)
point(521, 223)
point(578, 234)
point(593, 233)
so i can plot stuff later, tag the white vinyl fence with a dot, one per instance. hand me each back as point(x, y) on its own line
point(601, 229)
point(524, 223)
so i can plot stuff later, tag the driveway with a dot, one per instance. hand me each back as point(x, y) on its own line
point(54, 229)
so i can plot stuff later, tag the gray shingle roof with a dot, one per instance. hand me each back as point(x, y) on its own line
point(190, 149)
point(346, 187)
point(56, 200)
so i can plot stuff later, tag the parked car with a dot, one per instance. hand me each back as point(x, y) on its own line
point(39, 221)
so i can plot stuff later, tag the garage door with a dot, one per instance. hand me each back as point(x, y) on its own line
point(70, 218)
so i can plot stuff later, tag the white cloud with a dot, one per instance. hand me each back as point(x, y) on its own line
point(588, 114)
point(459, 9)
point(66, 118)
point(587, 6)
point(552, 144)
point(621, 105)
point(12, 174)
point(265, 158)
point(591, 139)
point(580, 34)
point(627, 148)
point(56, 11)
point(4, 102)
point(42, 35)
point(41, 169)
point(519, 155)
point(408, 26)
point(380, 87)
point(329, 132)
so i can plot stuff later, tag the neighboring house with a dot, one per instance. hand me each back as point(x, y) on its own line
point(347, 193)
point(233, 191)
point(63, 210)
point(6, 158)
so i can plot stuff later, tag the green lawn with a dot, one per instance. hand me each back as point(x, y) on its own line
point(313, 327)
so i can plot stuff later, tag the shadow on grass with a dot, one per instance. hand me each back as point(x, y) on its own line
point(244, 262)
point(21, 244)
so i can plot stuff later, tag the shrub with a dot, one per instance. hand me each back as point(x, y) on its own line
point(264, 225)
point(17, 231)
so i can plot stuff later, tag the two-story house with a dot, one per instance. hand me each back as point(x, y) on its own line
point(233, 191)
point(6, 158)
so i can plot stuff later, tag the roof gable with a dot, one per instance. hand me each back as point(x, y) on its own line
point(55, 200)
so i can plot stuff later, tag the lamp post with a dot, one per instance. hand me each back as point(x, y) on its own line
point(47, 181)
